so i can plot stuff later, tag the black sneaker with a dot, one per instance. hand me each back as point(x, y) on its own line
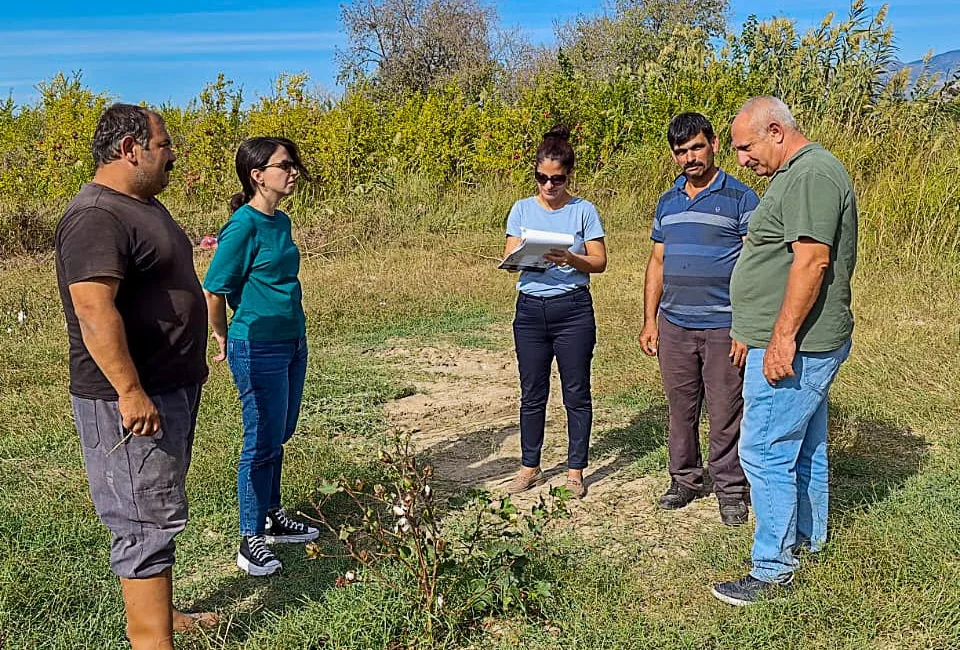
point(749, 591)
point(256, 558)
point(281, 529)
point(733, 510)
point(677, 496)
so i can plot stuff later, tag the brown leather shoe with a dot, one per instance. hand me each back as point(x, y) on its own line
point(523, 481)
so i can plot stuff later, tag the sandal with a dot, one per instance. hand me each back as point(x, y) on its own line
point(523, 482)
point(576, 486)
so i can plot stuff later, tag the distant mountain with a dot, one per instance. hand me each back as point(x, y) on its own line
point(945, 64)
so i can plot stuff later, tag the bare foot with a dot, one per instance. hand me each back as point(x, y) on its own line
point(192, 622)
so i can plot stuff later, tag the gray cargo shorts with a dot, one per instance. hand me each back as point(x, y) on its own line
point(139, 489)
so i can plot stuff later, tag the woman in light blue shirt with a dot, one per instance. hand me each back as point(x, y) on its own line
point(554, 315)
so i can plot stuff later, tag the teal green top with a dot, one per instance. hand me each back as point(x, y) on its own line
point(255, 267)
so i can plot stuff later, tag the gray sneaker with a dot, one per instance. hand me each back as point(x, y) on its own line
point(750, 591)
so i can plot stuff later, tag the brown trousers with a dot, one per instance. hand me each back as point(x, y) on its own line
point(695, 364)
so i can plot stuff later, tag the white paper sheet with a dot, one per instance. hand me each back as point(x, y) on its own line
point(534, 244)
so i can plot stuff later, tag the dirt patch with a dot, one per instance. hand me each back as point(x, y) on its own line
point(464, 418)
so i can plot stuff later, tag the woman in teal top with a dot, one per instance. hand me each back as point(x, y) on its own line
point(255, 270)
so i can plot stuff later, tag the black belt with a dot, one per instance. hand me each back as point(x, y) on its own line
point(568, 294)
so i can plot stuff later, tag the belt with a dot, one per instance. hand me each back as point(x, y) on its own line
point(568, 294)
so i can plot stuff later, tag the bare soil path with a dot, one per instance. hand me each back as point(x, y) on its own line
point(463, 417)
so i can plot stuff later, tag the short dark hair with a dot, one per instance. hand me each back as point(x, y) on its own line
point(686, 126)
point(116, 123)
point(254, 153)
point(556, 146)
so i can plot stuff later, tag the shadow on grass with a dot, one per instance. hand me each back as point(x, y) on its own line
point(457, 458)
point(640, 447)
point(251, 603)
point(869, 459)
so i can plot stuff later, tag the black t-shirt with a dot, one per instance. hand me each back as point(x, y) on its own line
point(107, 234)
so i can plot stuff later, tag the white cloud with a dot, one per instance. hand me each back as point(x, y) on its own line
point(151, 44)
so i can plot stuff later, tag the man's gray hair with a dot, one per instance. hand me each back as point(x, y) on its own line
point(116, 123)
point(766, 109)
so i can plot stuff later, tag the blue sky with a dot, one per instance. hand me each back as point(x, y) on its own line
point(166, 51)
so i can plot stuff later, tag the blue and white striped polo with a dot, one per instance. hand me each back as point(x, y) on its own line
point(701, 238)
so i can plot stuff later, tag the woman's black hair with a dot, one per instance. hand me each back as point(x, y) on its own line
point(556, 146)
point(254, 153)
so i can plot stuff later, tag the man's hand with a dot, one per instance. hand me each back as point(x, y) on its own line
point(649, 339)
point(778, 359)
point(221, 346)
point(140, 416)
point(738, 353)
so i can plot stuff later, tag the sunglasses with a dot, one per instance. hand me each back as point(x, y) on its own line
point(556, 179)
point(286, 165)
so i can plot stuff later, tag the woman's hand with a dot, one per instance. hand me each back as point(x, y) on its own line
point(593, 261)
point(559, 256)
point(221, 346)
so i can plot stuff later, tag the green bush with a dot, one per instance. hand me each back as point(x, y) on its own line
point(447, 141)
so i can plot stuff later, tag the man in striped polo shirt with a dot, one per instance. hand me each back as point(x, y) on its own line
point(697, 235)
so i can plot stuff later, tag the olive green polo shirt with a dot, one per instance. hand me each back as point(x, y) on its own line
point(811, 196)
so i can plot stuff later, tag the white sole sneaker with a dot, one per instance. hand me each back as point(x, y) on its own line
point(291, 539)
point(254, 570)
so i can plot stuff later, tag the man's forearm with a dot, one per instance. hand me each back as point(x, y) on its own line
point(652, 290)
point(106, 340)
point(803, 288)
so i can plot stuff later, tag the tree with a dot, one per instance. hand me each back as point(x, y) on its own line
point(631, 32)
point(403, 46)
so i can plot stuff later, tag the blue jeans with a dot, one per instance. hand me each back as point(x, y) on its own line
point(783, 451)
point(561, 326)
point(269, 376)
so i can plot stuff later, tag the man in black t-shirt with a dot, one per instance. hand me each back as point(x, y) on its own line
point(136, 320)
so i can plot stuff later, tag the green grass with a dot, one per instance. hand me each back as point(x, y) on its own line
point(890, 577)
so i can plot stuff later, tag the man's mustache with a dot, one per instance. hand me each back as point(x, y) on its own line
point(169, 166)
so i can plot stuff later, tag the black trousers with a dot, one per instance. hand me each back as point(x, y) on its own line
point(563, 327)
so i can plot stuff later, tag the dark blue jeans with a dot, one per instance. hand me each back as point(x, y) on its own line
point(269, 376)
point(563, 327)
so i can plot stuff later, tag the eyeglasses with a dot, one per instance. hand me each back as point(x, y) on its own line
point(286, 165)
point(556, 179)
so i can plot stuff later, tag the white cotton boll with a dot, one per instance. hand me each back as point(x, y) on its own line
point(21, 316)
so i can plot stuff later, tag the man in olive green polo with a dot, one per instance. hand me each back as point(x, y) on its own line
point(790, 292)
